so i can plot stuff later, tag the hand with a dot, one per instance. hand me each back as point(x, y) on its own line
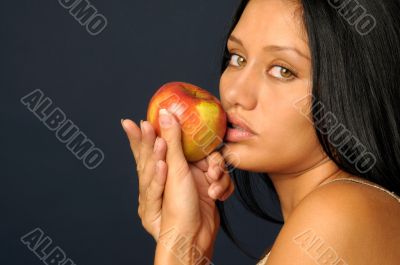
point(187, 206)
point(147, 149)
point(151, 184)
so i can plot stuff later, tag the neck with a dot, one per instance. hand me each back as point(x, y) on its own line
point(293, 187)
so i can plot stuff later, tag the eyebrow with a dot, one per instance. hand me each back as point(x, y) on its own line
point(271, 47)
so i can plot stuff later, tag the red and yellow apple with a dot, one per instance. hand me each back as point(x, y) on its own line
point(201, 116)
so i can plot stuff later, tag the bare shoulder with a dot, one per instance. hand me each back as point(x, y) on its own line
point(341, 223)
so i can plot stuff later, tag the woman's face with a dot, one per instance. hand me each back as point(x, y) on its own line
point(269, 70)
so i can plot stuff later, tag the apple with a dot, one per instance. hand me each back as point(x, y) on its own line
point(201, 116)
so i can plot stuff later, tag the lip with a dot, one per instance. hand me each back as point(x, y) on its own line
point(238, 121)
point(238, 135)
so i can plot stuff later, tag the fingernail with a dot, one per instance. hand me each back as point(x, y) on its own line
point(141, 126)
point(122, 123)
point(165, 118)
point(156, 144)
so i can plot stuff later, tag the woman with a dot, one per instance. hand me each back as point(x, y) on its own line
point(315, 85)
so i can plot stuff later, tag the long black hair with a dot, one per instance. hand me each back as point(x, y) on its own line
point(355, 50)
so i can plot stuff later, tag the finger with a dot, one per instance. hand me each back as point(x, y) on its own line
point(147, 143)
point(214, 173)
point(171, 132)
point(201, 164)
point(229, 192)
point(219, 187)
point(148, 135)
point(216, 165)
point(134, 135)
point(215, 159)
point(159, 153)
point(154, 193)
point(209, 179)
point(146, 166)
point(160, 149)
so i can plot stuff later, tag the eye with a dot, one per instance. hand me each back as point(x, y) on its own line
point(236, 60)
point(282, 73)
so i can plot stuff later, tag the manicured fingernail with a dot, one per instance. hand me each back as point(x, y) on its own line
point(165, 118)
point(156, 144)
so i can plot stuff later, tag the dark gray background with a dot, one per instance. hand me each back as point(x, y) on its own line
point(96, 81)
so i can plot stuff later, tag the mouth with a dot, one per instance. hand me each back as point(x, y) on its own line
point(236, 122)
point(237, 129)
point(235, 126)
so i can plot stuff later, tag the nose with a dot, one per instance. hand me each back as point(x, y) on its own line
point(239, 88)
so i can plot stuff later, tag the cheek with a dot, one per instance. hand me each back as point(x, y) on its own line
point(289, 144)
point(223, 84)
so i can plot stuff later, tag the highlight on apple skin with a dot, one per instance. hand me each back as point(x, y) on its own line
point(200, 114)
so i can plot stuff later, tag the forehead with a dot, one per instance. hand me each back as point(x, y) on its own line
point(272, 22)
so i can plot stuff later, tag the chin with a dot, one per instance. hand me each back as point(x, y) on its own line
point(240, 157)
point(254, 158)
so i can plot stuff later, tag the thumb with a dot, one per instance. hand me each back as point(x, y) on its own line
point(171, 133)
